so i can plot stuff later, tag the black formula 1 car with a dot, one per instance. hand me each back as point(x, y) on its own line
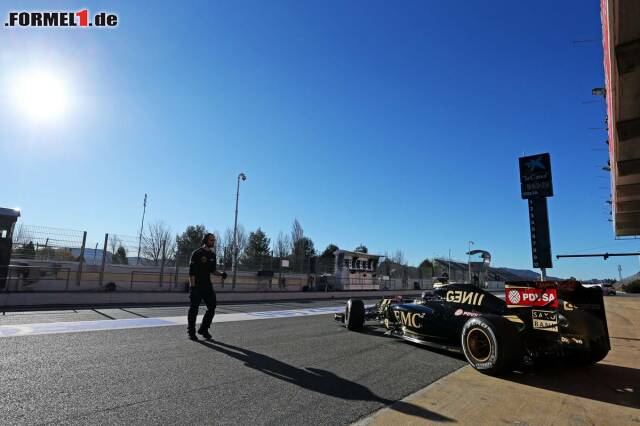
point(536, 320)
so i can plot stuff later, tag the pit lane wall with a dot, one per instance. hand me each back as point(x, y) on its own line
point(64, 284)
point(68, 277)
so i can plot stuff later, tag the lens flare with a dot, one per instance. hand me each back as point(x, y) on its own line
point(40, 95)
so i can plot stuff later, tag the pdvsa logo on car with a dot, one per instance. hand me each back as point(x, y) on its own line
point(463, 313)
point(532, 297)
point(58, 19)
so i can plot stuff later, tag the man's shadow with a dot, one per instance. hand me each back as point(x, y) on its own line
point(317, 380)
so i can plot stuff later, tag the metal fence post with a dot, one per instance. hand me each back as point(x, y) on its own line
point(66, 286)
point(175, 278)
point(81, 259)
point(104, 259)
point(164, 259)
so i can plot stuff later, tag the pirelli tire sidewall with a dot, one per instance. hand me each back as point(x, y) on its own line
point(505, 344)
point(354, 314)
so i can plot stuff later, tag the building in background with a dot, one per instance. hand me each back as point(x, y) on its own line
point(354, 270)
point(621, 45)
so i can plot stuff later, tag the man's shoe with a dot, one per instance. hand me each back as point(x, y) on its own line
point(193, 337)
point(205, 334)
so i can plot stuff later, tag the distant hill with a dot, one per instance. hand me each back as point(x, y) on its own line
point(523, 273)
point(495, 272)
point(94, 256)
point(627, 280)
point(91, 256)
point(526, 274)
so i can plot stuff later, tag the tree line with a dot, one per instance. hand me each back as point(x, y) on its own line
point(255, 248)
point(256, 251)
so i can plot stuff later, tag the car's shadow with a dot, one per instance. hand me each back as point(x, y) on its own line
point(381, 332)
point(318, 380)
point(608, 383)
point(603, 382)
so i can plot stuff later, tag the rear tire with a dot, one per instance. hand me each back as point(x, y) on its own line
point(491, 344)
point(354, 314)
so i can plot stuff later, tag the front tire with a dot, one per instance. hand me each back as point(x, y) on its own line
point(491, 344)
point(354, 315)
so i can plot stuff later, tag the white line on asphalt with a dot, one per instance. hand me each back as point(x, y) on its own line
point(123, 324)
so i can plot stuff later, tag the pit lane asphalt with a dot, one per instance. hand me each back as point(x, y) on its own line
point(47, 316)
point(303, 370)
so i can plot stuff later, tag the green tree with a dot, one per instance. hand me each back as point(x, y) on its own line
point(297, 233)
point(120, 257)
point(326, 262)
point(189, 241)
point(362, 249)
point(425, 269)
point(304, 248)
point(328, 252)
point(257, 248)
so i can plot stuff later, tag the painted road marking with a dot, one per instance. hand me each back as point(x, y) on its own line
point(123, 324)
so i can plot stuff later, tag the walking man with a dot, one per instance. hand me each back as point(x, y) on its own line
point(203, 264)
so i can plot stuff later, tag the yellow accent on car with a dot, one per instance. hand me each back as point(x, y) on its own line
point(513, 318)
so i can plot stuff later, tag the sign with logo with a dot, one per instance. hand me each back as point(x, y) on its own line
point(544, 320)
point(540, 239)
point(535, 186)
point(535, 176)
point(531, 297)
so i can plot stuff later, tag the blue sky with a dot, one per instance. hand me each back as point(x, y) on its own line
point(394, 124)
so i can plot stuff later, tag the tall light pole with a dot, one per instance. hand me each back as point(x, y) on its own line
point(449, 273)
point(469, 259)
point(144, 210)
point(235, 233)
point(620, 272)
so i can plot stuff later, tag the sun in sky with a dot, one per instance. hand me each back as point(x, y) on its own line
point(40, 95)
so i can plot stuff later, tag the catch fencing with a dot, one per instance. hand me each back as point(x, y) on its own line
point(48, 259)
point(44, 243)
point(66, 277)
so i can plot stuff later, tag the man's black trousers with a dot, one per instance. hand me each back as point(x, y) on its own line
point(198, 295)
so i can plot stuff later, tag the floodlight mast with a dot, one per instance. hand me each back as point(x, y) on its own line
point(235, 232)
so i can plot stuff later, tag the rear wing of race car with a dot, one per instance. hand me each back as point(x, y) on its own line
point(570, 294)
point(549, 293)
